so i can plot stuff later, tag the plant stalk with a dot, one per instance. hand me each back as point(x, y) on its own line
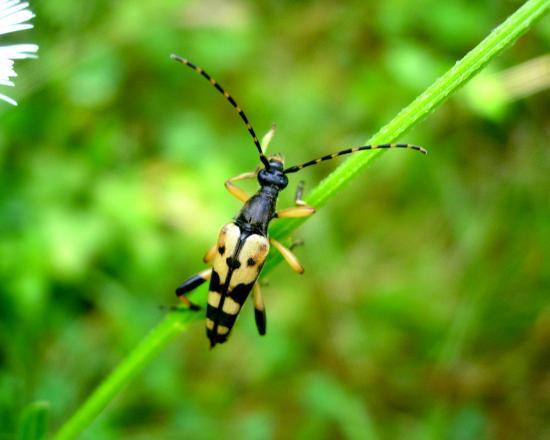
point(174, 323)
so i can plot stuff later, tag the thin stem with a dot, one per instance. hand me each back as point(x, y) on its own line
point(500, 39)
point(171, 326)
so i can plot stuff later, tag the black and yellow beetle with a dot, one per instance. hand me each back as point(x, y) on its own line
point(237, 258)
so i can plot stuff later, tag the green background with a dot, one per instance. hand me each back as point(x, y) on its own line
point(423, 311)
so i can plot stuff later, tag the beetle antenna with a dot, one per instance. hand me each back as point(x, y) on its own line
point(227, 96)
point(296, 168)
point(266, 140)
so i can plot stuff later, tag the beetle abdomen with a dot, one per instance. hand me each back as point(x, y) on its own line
point(235, 269)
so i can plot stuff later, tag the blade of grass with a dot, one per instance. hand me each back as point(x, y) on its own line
point(156, 340)
point(174, 323)
point(34, 421)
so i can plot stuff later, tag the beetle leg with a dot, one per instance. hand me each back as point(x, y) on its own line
point(295, 244)
point(239, 193)
point(210, 254)
point(289, 257)
point(302, 209)
point(295, 212)
point(298, 197)
point(190, 284)
point(299, 192)
point(259, 308)
point(266, 140)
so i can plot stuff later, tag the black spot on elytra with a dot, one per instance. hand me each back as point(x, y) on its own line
point(221, 250)
point(240, 292)
point(215, 282)
point(233, 263)
point(250, 262)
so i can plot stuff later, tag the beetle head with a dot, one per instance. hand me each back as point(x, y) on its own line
point(273, 174)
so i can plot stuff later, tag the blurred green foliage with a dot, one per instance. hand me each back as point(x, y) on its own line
point(424, 310)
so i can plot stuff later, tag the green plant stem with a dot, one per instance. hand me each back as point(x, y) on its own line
point(171, 326)
point(500, 39)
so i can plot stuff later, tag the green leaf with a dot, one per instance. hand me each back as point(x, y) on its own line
point(34, 421)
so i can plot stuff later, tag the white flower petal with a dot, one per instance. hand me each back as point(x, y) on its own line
point(7, 99)
point(8, 3)
point(14, 17)
point(15, 28)
point(18, 51)
point(8, 13)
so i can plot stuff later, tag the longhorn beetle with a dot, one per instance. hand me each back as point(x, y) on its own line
point(237, 258)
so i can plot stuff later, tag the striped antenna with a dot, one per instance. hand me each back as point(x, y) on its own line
point(352, 150)
point(227, 96)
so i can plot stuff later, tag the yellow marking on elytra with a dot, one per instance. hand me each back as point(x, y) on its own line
point(230, 306)
point(214, 299)
point(223, 330)
point(228, 238)
point(255, 247)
